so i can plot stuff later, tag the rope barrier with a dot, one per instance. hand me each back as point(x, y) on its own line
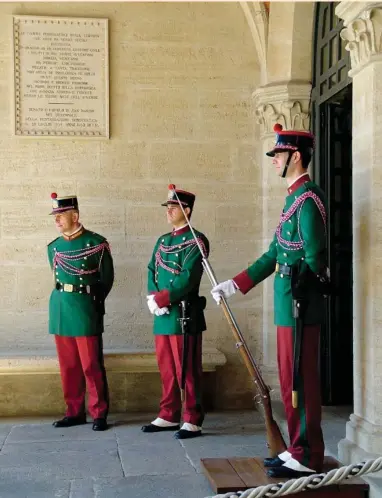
point(313, 481)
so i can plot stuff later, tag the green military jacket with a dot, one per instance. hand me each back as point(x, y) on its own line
point(300, 238)
point(174, 273)
point(84, 261)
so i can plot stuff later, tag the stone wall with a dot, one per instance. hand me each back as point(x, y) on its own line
point(181, 79)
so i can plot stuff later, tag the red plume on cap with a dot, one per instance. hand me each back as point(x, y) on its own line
point(172, 186)
point(54, 195)
point(277, 128)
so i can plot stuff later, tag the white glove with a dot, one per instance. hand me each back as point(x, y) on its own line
point(152, 304)
point(154, 308)
point(162, 311)
point(225, 289)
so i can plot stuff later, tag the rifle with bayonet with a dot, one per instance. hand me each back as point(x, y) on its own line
point(275, 441)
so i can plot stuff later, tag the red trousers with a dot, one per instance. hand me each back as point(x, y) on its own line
point(169, 350)
point(304, 422)
point(81, 366)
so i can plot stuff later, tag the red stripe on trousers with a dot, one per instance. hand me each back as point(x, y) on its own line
point(81, 366)
point(309, 452)
point(169, 350)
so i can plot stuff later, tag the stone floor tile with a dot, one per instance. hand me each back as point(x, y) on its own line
point(165, 458)
point(17, 486)
point(46, 432)
point(84, 488)
point(45, 447)
point(60, 460)
point(5, 430)
point(163, 486)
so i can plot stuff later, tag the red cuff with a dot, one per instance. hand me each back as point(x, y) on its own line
point(162, 298)
point(244, 282)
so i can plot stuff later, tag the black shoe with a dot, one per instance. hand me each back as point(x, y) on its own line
point(100, 424)
point(183, 434)
point(70, 421)
point(156, 428)
point(287, 473)
point(273, 462)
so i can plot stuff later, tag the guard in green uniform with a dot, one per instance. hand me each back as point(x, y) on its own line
point(297, 258)
point(83, 276)
point(174, 275)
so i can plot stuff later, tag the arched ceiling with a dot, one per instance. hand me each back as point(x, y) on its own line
point(257, 15)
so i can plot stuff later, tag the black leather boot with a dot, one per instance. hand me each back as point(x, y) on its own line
point(70, 421)
point(157, 428)
point(273, 462)
point(184, 434)
point(287, 473)
point(100, 424)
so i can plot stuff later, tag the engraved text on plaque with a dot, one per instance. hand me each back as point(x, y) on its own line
point(61, 76)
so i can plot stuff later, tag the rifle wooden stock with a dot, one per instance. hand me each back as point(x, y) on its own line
point(275, 441)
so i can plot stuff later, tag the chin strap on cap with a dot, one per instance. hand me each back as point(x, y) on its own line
point(287, 163)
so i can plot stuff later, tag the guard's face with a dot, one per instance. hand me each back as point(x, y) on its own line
point(175, 215)
point(279, 160)
point(66, 221)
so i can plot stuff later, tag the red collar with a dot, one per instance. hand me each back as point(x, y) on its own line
point(180, 231)
point(300, 181)
point(74, 235)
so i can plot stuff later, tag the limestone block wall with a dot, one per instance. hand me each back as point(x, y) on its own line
point(181, 79)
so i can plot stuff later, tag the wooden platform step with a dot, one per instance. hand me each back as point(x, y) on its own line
point(238, 474)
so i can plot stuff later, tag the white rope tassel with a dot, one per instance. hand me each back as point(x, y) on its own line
point(313, 481)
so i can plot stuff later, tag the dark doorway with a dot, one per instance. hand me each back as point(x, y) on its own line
point(332, 170)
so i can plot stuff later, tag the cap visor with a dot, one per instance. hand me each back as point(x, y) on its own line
point(62, 210)
point(274, 151)
point(170, 202)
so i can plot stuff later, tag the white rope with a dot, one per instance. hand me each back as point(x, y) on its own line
point(313, 481)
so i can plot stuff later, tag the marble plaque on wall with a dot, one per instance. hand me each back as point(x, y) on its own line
point(61, 77)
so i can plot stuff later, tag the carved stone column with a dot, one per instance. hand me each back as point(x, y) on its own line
point(362, 36)
point(362, 33)
point(287, 104)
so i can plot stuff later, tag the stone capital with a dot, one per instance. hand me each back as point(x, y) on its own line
point(362, 32)
point(285, 103)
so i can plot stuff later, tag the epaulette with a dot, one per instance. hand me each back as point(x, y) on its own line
point(315, 189)
point(52, 242)
point(307, 186)
point(164, 235)
point(94, 235)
